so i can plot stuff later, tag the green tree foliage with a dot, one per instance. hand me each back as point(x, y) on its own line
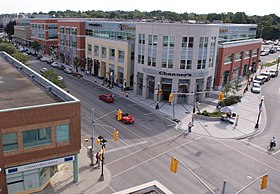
point(53, 77)
point(11, 50)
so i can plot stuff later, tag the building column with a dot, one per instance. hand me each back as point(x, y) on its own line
point(76, 169)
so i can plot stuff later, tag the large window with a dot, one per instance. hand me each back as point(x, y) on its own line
point(37, 137)
point(62, 133)
point(121, 56)
point(10, 141)
point(112, 54)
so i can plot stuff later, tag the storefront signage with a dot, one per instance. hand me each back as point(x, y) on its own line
point(39, 164)
point(175, 74)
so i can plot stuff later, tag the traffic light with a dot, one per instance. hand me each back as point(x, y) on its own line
point(116, 135)
point(173, 165)
point(264, 181)
point(170, 100)
point(119, 115)
point(221, 96)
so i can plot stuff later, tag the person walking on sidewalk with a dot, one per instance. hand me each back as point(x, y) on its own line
point(190, 125)
point(97, 159)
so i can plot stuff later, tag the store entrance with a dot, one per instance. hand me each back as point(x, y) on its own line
point(166, 90)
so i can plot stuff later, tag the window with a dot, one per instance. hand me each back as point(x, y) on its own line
point(121, 56)
point(10, 141)
point(112, 54)
point(62, 133)
point(183, 64)
point(191, 40)
point(96, 50)
point(165, 40)
point(103, 52)
point(228, 58)
point(238, 56)
point(37, 137)
point(184, 41)
point(247, 54)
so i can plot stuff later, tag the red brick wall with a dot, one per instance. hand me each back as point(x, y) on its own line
point(222, 52)
point(48, 116)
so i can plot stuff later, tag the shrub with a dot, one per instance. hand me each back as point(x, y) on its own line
point(211, 114)
point(231, 100)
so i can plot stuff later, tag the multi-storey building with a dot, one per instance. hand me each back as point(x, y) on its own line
point(40, 128)
point(175, 58)
point(44, 31)
point(22, 32)
point(238, 53)
point(71, 41)
point(110, 51)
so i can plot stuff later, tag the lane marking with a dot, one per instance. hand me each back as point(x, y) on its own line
point(251, 156)
point(146, 161)
point(127, 146)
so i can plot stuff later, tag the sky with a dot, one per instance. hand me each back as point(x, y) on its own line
point(250, 7)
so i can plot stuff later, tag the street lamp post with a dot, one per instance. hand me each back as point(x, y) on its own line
point(260, 110)
point(103, 144)
point(157, 106)
point(248, 77)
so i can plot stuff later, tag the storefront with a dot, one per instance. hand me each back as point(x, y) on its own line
point(33, 177)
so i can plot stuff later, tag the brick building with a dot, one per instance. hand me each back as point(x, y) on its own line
point(44, 31)
point(40, 128)
point(71, 41)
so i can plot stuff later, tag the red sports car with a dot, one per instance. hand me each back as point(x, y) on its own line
point(126, 118)
point(106, 98)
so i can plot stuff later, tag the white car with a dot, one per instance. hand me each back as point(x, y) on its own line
point(54, 64)
point(256, 88)
point(60, 78)
point(44, 69)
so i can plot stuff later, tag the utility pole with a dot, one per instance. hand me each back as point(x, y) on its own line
point(91, 149)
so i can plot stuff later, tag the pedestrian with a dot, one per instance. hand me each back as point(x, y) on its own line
point(97, 159)
point(190, 125)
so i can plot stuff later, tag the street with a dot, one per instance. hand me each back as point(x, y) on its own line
point(144, 149)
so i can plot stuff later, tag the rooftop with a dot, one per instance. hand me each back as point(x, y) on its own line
point(17, 90)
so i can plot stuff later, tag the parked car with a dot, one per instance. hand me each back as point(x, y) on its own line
point(60, 78)
point(54, 64)
point(256, 88)
point(68, 70)
point(261, 79)
point(61, 66)
point(106, 98)
point(275, 72)
point(266, 75)
point(44, 69)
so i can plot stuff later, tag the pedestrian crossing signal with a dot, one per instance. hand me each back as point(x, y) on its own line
point(173, 165)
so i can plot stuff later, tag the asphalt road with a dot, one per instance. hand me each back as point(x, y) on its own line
point(144, 149)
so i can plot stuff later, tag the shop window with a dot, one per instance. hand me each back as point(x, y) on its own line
point(10, 141)
point(62, 133)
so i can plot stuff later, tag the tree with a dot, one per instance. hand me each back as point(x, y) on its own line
point(227, 88)
point(9, 29)
point(236, 86)
point(36, 46)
